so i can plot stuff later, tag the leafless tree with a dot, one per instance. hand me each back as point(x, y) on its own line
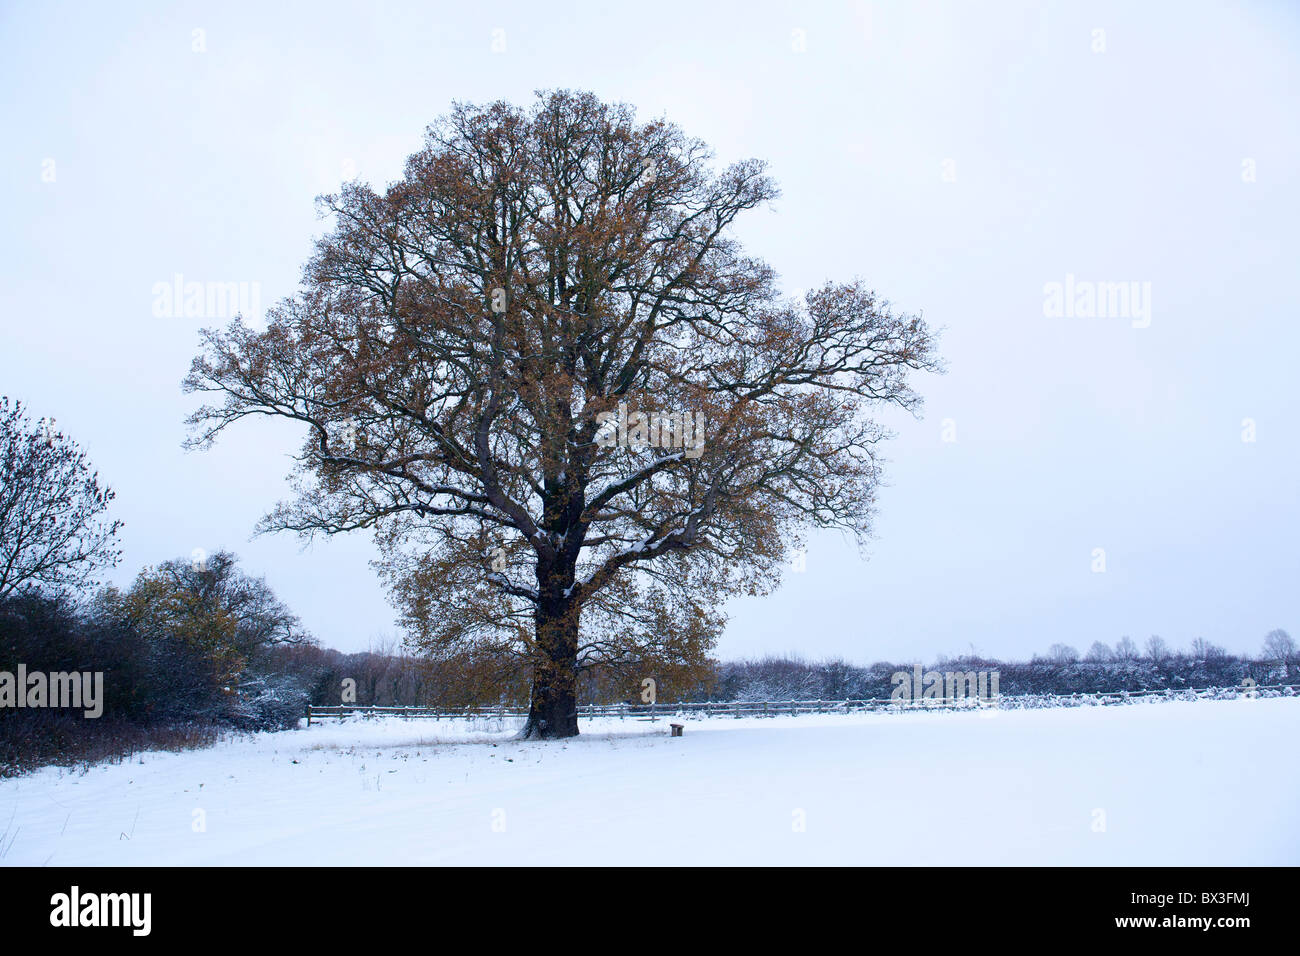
point(1279, 646)
point(1157, 649)
point(1062, 654)
point(53, 533)
point(1099, 651)
point(1125, 649)
point(1203, 650)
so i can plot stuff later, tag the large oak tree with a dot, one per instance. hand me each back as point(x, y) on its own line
point(472, 354)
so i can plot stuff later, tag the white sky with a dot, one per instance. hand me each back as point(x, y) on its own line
point(1072, 433)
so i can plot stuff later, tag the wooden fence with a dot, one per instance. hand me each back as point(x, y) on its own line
point(765, 708)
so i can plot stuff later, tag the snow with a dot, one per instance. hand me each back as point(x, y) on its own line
point(1183, 783)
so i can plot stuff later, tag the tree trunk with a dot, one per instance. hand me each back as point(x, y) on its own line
point(553, 710)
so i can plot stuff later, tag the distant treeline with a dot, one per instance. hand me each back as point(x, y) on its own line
point(195, 648)
point(775, 678)
point(392, 679)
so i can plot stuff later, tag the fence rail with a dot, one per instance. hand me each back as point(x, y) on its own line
point(765, 708)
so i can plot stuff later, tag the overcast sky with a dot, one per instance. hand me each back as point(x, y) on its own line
point(960, 158)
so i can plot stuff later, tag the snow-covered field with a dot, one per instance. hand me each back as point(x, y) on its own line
point(1213, 782)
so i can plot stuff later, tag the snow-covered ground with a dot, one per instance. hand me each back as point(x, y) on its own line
point(1213, 782)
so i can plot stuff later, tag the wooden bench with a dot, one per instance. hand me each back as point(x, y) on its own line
point(676, 729)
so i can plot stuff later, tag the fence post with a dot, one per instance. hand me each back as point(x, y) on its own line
point(309, 715)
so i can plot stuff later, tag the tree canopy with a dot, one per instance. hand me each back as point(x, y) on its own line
point(576, 414)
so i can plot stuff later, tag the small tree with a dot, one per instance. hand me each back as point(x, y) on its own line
point(1099, 652)
point(1203, 650)
point(1279, 646)
point(215, 583)
point(167, 615)
point(1157, 649)
point(1125, 649)
point(53, 534)
point(218, 616)
point(1062, 654)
